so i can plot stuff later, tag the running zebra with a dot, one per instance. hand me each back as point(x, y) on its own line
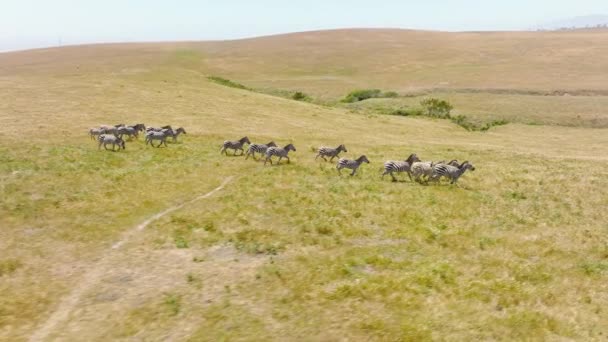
point(451, 172)
point(279, 152)
point(344, 163)
point(425, 169)
point(160, 136)
point(235, 145)
point(176, 133)
point(107, 139)
point(330, 152)
point(259, 148)
point(391, 166)
point(94, 133)
point(128, 131)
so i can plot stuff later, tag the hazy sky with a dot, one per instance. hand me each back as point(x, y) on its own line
point(35, 23)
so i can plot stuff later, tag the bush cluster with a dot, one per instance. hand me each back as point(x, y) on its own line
point(364, 94)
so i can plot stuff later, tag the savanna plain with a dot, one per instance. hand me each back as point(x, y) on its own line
point(518, 250)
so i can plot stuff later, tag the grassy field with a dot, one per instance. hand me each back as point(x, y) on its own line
point(292, 252)
point(580, 111)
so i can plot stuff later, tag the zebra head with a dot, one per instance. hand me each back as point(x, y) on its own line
point(245, 140)
point(290, 147)
point(412, 159)
point(466, 165)
point(180, 130)
point(341, 148)
point(362, 159)
point(140, 127)
point(271, 144)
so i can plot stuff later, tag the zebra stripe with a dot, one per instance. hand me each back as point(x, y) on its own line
point(259, 148)
point(279, 152)
point(234, 145)
point(392, 166)
point(344, 163)
point(325, 151)
point(450, 172)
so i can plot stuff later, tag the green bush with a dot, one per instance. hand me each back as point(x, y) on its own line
point(226, 82)
point(407, 112)
point(300, 96)
point(362, 94)
point(437, 108)
point(390, 94)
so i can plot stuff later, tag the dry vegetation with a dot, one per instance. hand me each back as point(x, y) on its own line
point(292, 252)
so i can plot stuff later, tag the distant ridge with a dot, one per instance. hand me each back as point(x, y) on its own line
point(582, 22)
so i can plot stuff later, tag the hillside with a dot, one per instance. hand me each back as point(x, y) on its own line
point(289, 252)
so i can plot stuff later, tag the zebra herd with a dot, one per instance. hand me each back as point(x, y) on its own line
point(113, 135)
point(421, 171)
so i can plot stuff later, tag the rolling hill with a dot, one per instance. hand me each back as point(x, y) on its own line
point(182, 243)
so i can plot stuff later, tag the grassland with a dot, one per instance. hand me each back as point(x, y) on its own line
point(290, 252)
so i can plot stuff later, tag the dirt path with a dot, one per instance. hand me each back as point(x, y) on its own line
point(92, 277)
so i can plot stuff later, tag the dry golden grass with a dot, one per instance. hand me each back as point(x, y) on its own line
point(291, 252)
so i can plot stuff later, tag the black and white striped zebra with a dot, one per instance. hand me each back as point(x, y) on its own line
point(129, 131)
point(344, 163)
point(234, 145)
point(280, 152)
point(160, 136)
point(175, 133)
point(258, 148)
point(450, 172)
point(420, 170)
point(107, 139)
point(392, 166)
point(330, 152)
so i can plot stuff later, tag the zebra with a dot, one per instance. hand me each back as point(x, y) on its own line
point(94, 133)
point(279, 152)
point(158, 129)
point(106, 139)
point(161, 136)
point(330, 152)
point(400, 166)
point(451, 172)
point(176, 133)
point(351, 164)
point(127, 130)
point(422, 169)
point(235, 145)
point(259, 148)
point(140, 127)
point(109, 130)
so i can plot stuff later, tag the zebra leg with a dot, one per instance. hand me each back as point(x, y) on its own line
point(339, 169)
point(268, 159)
point(353, 173)
point(317, 156)
point(223, 150)
point(409, 175)
point(247, 156)
point(332, 158)
point(288, 160)
point(393, 176)
point(324, 158)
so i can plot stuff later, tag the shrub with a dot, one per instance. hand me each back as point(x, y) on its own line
point(407, 112)
point(362, 94)
point(300, 96)
point(390, 94)
point(437, 108)
point(227, 83)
